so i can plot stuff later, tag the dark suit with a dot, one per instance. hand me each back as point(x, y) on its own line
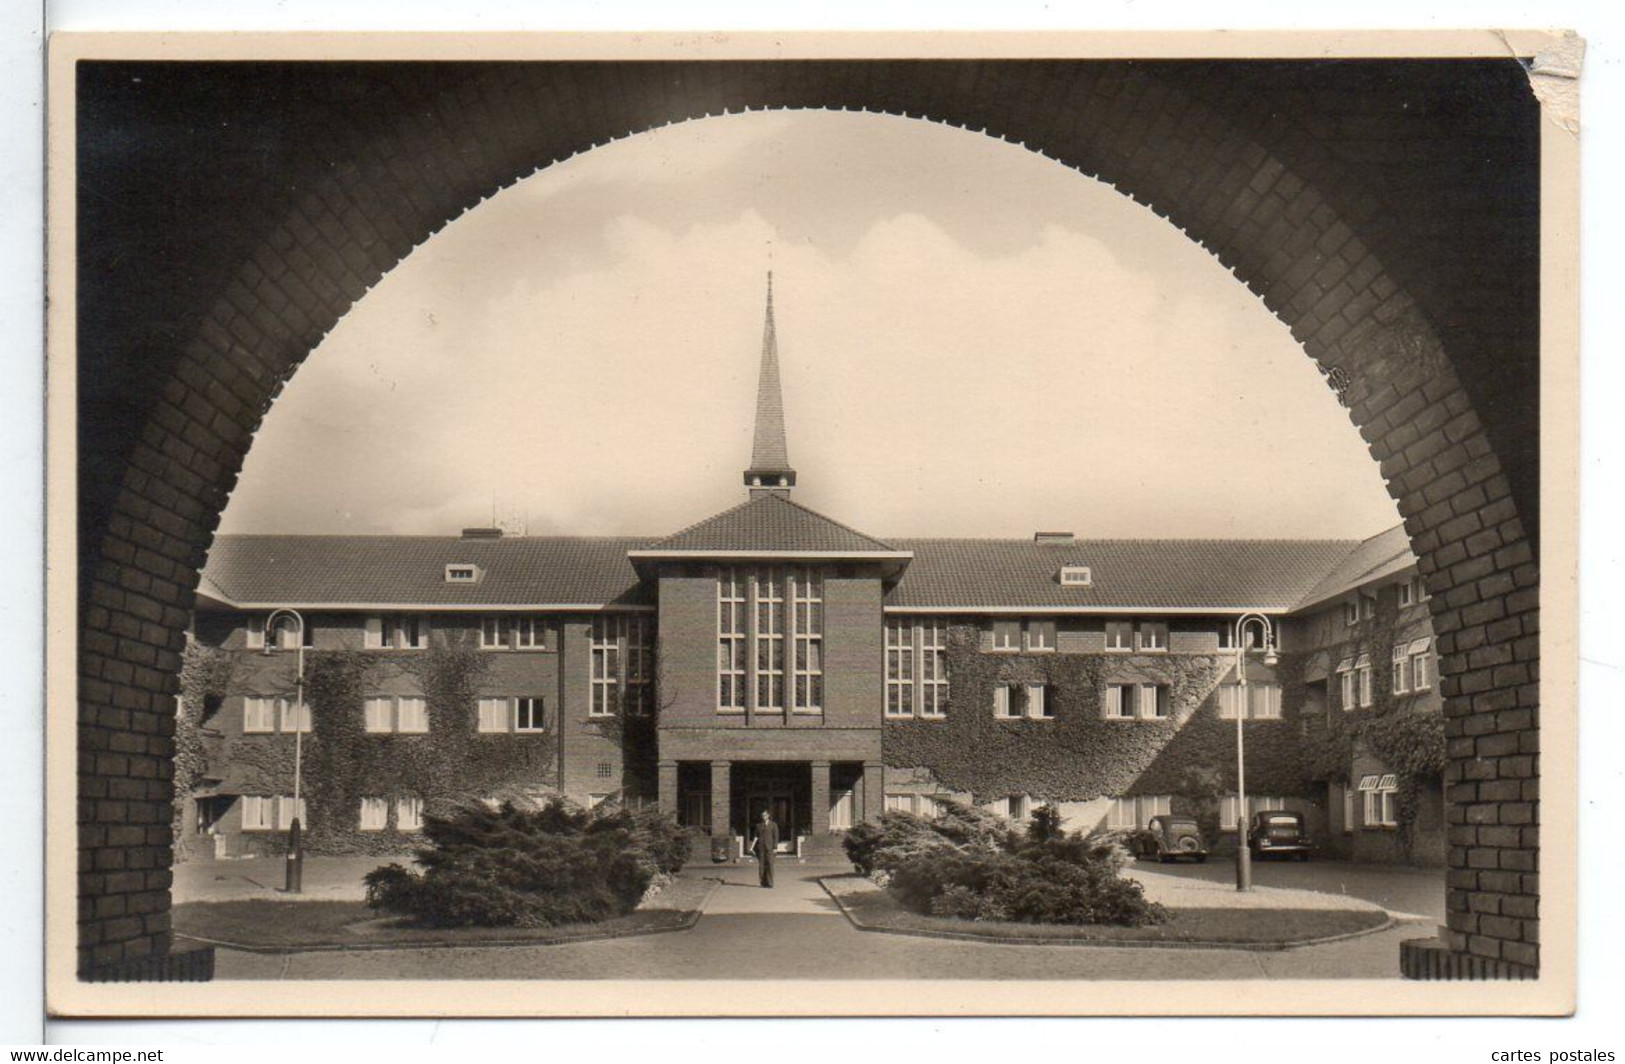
point(767, 842)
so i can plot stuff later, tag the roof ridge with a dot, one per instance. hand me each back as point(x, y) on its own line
point(842, 525)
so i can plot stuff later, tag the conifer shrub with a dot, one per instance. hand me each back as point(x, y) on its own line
point(969, 865)
point(541, 866)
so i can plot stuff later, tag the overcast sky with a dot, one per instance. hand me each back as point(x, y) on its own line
point(976, 341)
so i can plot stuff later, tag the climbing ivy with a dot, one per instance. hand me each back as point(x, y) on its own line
point(1079, 754)
point(206, 676)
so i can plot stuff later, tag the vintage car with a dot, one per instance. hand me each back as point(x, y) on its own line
point(1173, 837)
point(1279, 833)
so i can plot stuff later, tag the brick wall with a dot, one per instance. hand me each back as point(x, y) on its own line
point(1390, 227)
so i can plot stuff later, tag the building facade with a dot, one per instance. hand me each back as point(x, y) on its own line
point(770, 657)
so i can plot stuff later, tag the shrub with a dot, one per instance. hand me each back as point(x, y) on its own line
point(865, 840)
point(529, 867)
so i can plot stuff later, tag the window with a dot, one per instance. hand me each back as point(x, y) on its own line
point(1013, 701)
point(1255, 804)
point(1153, 635)
point(462, 574)
point(769, 588)
point(494, 715)
point(1402, 668)
point(1075, 575)
point(928, 806)
point(1040, 635)
point(1421, 663)
point(808, 597)
point(295, 715)
point(384, 713)
point(396, 631)
point(1227, 635)
point(1362, 676)
point(516, 633)
point(1347, 794)
point(1368, 605)
point(271, 812)
point(1412, 591)
point(1006, 635)
point(529, 633)
point(1015, 807)
point(493, 633)
point(1129, 813)
point(1006, 704)
point(899, 803)
point(1038, 707)
point(409, 814)
point(606, 770)
point(622, 665)
point(1120, 701)
point(1351, 613)
point(374, 814)
point(840, 811)
point(529, 714)
point(1381, 793)
point(933, 668)
point(1119, 635)
point(262, 715)
point(730, 641)
point(899, 668)
point(1347, 691)
point(1264, 701)
point(254, 632)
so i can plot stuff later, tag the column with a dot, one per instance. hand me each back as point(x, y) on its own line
point(721, 792)
point(820, 798)
point(874, 800)
point(668, 786)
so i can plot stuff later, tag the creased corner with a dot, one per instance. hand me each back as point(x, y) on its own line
point(1554, 75)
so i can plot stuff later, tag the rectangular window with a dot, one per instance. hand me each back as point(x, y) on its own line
point(1075, 575)
point(933, 668)
point(529, 633)
point(731, 588)
point(1038, 707)
point(1347, 794)
point(1421, 663)
point(259, 813)
point(840, 811)
point(409, 814)
point(1368, 605)
point(1006, 704)
point(1264, 701)
point(622, 665)
point(462, 574)
point(1381, 794)
point(286, 810)
point(769, 589)
point(1040, 635)
point(639, 663)
point(1229, 701)
point(1402, 669)
point(1258, 803)
point(259, 715)
point(808, 597)
point(379, 714)
point(411, 715)
point(493, 633)
point(1362, 674)
point(1351, 613)
point(1127, 814)
point(1348, 691)
point(396, 631)
point(899, 668)
point(1120, 700)
point(1153, 635)
point(605, 697)
point(254, 631)
point(1153, 701)
point(899, 803)
point(529, 714)
point(1006, 635)
point(1119, 635)
point(494, 715)
point(374, 814)
point(1015, 807)
point(295, 716)
point(1407, 593)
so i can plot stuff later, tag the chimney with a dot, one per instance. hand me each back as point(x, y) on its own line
point(1054, 539)
point(482, 533)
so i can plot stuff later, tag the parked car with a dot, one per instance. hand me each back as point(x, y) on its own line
point(1176, 836)
point(1279, 833)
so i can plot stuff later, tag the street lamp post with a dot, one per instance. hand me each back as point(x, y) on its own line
point(1244, 856)
point(294, 881)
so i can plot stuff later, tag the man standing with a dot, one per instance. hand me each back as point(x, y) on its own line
point(767, 843)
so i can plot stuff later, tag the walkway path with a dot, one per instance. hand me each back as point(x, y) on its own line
point(794, 931)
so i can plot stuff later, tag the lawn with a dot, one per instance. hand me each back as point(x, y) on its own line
point(874, 909)
point(270, 926)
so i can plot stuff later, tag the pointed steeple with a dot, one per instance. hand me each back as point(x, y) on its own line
point(769, 457)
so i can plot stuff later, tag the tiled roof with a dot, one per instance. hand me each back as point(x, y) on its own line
point(770, 522)
point(411, 570)
point(1160, 573)
point(1384, 554)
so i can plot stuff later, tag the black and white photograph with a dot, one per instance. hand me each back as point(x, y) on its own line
point(899, 523)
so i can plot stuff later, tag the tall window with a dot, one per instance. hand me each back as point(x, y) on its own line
point(1421, 663)
point(409, 814)
point(1402, 668)
point(1381, 794)
point(1130, 813)
point(899, 668)
point(1264, 701)
point(529, 714)
point(769, 639)
point(933, 668)
point(1130, 701)
point(1362, 677)
point(374, 814)
point(1354, 678)
point(622, 665)
point(731, 589)
point(809, 628)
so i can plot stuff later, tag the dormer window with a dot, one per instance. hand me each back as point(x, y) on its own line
point(462, 574)
point(1076, 576)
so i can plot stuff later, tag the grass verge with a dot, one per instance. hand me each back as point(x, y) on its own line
point(871, 909)
point(266, 926)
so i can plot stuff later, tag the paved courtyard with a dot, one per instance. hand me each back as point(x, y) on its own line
point(795, 931)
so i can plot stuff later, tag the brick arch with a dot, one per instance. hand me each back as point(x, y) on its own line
point(1285, 197)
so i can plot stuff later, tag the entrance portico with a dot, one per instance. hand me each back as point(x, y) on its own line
point(812, 801)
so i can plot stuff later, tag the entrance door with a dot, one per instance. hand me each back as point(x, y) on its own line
point(784, 811)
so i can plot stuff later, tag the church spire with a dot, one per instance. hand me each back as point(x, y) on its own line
point(769, 457)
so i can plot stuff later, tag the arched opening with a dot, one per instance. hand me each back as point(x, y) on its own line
point(1384, 280)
